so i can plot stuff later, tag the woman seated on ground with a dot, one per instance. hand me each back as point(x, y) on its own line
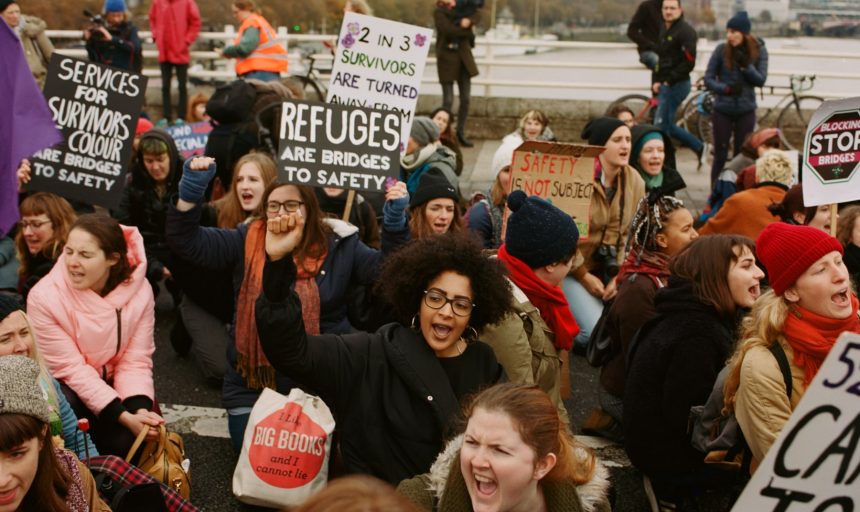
point(485, 217)
point(444, 120)
point(393, 392)
point(515, 454)
point(678, 356)
point(95, 316)
point(42, 231)
point(653, 155)
point(36, 474)
point(533, 125)
point(660, 229)
point(197, 108)
point(792, 211)
point(433, 210)
point(810, 304)
point(623, 113)
point(331, 258)
point(848, 234)
point(361, 214)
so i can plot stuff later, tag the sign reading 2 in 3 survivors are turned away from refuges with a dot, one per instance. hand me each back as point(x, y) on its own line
point(96, 107)
point(814, 464)
point(563, 174)
point(831, 157)
point(325, 145)
point(379, 64)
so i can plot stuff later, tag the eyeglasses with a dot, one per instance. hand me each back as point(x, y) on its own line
point(437, 300)
point(290, 206)
point(33, 224)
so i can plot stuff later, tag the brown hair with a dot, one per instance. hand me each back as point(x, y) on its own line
point(750, 150)
point(357, 493)
point(245, 5)
point(61, 215)
point(750, 41)
point(314, 241)
point(498, 194)
point(448, 134)
point(360, 7)
point(705, 262)
point(538, 424)
point(190, 113)
point(419, 228)
point(230, 212)
point(50, 486)
point(845, 226)
point(110, 238)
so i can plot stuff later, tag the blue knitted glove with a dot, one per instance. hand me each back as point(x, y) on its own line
point(192, 186)
point(394, 214)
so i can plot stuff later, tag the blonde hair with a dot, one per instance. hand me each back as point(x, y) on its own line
point(533, 115)
point(845, 226)
point(44, 374)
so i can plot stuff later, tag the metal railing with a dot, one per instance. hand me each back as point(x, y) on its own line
point(491, 62)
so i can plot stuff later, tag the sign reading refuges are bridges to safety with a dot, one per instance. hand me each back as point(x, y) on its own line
point(379, 64)
point(814, 464)
point(563, 174)
point(831, 156)
point(96, 107)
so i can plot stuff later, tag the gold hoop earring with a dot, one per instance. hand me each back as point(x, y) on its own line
point(414, 322)
point(473, 337)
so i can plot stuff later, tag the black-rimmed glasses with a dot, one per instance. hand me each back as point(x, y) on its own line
point(437, 300)
point(290, 206)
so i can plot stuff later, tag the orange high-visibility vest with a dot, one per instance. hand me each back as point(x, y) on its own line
point(269, 55)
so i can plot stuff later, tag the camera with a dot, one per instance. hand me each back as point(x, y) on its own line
point(606, 257)
point(95, 19)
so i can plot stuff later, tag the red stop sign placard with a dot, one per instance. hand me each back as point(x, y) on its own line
point(833, 147)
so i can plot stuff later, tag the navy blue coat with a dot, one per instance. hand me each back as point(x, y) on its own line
point(348, 261)
point(719, 79)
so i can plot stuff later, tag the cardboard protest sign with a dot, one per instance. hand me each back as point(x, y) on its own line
point(190, 138)
point(563, 174)
point(326, 145)
point(96, 107)
point(379, 63)
point(831, 154)
point(814, 464)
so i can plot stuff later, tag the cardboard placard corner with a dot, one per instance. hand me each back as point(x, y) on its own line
point(831, 154)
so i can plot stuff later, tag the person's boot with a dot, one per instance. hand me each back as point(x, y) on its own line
point(464, 142)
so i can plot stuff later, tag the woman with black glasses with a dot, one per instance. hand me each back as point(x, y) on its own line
point(395, 392)
point(329, 259)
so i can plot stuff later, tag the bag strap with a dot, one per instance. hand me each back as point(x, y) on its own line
point(162, 441)
point(781, 359)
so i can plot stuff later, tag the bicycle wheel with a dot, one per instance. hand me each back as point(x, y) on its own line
point(794, 119)
point(638, 103)
point(312, 90)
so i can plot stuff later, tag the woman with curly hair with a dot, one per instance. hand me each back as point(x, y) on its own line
point(45, 222)
point(393, 392)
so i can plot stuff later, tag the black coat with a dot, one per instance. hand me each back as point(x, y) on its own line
point(390, 396)
point(674, 368)
point(644, 27)
point(453, 46)
point(676, 48)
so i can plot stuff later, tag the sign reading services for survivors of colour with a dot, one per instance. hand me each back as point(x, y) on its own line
point(96, 107)
point(831, 156)
point(190, 138)
point(325, 145)
point(563, 174)
point(814, 464)
point(379, 64)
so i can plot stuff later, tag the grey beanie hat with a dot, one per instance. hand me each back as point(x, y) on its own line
point(19, 390)
point(424, 131)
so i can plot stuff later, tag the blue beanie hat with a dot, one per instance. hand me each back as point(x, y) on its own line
point(115, 6)
point(538, 233)
point(740, 22)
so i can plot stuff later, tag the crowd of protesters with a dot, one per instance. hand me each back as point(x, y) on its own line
point(438, 335)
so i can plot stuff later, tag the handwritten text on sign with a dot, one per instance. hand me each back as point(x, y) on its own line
point(379, 64)
point(814, 465)
point(190, 138)
point(96, 107)
point(336, 146)
point(560, 173)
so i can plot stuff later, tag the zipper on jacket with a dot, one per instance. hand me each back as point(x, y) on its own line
point(118, 330)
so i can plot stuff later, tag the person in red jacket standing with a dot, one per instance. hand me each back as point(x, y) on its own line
point(175, 25)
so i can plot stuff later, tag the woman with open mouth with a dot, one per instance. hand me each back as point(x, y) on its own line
point(810, 304)
point(675, 358)
point(433, 210)
point(394, 392)
point(516, 454)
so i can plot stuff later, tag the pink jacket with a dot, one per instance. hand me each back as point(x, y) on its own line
point(89, 341)
point(175, 25)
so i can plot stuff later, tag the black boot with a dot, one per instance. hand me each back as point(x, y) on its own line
point(464, 142)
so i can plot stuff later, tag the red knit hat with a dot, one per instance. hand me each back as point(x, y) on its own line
point(143, 126)
point(787, 251)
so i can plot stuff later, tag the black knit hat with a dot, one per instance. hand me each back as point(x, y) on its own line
point(740, 22)
point(538, 233)
point(431, 185)
point(598, 131)
point(8, 305)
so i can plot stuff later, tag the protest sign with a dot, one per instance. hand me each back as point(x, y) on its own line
point(190, 138)
point(563, 174)
point(831, 154)
point(814, 464)
point(326, 145)
point(96, 107)
point(379, 64)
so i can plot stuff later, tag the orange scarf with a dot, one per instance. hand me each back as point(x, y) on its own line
point(811, 336)
point(252, 364)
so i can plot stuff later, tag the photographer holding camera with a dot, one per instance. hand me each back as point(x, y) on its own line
point(112, 40)
point(618, 188)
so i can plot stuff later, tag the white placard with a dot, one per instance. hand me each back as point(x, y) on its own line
point(379, 64)
point(814, 464)
point(831, 154)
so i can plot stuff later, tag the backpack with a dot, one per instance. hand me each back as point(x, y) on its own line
point(231, 103)
point(719, 436)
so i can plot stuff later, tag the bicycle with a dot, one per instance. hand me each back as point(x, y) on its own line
point(311, 83)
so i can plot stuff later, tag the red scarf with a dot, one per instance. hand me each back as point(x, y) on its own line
point(811, 335)
point(650, 262)
point(550, 301)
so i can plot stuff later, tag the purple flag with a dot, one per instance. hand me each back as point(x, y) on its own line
point(26, 123)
